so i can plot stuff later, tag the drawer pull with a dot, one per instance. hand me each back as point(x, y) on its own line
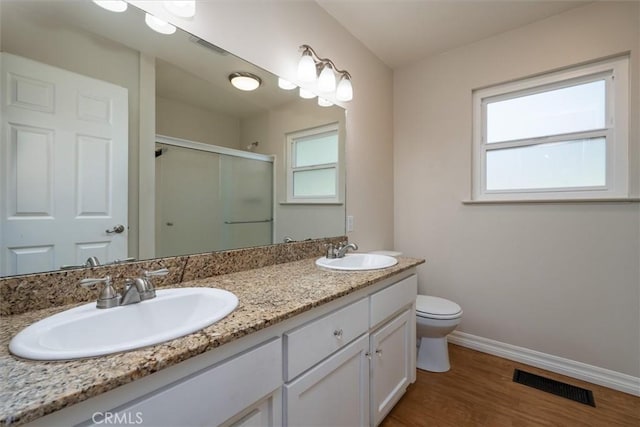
point(379, 353)
point(338, 333)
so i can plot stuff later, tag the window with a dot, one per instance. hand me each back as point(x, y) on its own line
point(562, 135)
point(313, 172)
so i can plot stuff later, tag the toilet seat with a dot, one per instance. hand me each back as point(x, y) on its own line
point(437, 308)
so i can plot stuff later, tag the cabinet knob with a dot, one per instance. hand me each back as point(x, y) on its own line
point(379, 353)
point(338, 333)
point(367, 355)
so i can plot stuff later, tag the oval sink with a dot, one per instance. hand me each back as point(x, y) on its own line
point(87, 331)
point(357, 262)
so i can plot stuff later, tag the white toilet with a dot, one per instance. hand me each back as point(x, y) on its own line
point(435, 319)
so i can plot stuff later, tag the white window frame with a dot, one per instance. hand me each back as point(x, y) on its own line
point(616, 132)
point(291, 146)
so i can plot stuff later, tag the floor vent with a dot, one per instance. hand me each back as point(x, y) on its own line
point(558, 388)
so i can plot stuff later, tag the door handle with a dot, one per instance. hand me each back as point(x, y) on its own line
point(116, 229)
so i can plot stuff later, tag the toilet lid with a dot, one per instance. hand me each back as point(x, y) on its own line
point(437, 308)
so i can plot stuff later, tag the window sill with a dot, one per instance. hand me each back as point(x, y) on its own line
point(551, 201)
point(312, 203)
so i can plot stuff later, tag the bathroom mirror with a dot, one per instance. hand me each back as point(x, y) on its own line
point(220, 154)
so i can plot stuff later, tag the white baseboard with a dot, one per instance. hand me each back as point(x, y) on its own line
point(571, 368)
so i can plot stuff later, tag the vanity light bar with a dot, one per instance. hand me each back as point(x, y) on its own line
point(308, 67)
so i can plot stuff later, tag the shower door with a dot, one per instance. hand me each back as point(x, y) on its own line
point(207, 201)
point(247, 202)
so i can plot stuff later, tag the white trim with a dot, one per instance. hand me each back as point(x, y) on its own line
point(616, 134)
point(571, 368)
point(185, 143)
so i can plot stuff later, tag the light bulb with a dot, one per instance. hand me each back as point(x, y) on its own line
point(307, 69)
point(181, 8)
point(327, 79)
point(159, 25)
point(345, 90)
point(112, 5)
point(306, 93)
point(285, 84)
point(324, 103)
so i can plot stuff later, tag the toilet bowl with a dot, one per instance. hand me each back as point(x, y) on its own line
point(435, 319)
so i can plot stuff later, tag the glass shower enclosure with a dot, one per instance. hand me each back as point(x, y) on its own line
point(211, 198)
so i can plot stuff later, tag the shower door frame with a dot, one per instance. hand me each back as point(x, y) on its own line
point(217, 149)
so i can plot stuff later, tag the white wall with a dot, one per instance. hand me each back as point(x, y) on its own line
point(268, 34)
point(179, 120)
point(563, 279)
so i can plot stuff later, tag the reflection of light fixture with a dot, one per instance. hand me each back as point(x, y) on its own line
point(285, 84)
point(245, 81)
point(159, 25)
point(112, 5)
point(181, 8)
point(310, 62)
point(306, 93)
point(323, 102)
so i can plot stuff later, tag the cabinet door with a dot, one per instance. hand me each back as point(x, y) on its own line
point(213, 395)
point(265, 413)
point(334, 393)
point(391, 348)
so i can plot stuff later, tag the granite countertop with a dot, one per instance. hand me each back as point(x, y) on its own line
point(267, 296)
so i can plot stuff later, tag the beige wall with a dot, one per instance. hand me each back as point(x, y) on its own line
point(297, 221)
point(180, 120)
point(562, 279)
point(268, 33)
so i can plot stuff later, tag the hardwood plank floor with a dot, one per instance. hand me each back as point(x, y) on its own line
point(479, 391)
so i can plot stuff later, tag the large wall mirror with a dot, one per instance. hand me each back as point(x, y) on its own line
point(89, 97)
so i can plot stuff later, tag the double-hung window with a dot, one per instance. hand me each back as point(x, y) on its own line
point(313, 165)
point(561, 135)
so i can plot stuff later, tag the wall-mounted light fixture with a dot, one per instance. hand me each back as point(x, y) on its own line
point(158, 25)
point(112, 5)
point(245, 81)
point(285, 84)
point(308, 68)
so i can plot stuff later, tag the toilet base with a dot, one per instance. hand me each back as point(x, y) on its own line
point(433, 355)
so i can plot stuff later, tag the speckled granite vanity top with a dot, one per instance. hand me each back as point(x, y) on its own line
point(266, 296)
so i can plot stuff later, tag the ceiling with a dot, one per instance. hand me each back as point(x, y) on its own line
point(401, 32)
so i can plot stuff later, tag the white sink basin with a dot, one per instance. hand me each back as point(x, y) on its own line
point(357, 262)
point(87, 331)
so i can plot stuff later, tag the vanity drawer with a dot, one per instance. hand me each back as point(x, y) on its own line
point(390, 300)
point(213, 395)
point(310, 343)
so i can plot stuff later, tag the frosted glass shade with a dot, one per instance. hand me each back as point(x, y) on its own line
point(307, 69)
point(345, 90)
point(327, 79)
point(112, 5)
point(159, 25)
point(285, 84)
point(181, 8)
point(324, 103)
point(306, 93)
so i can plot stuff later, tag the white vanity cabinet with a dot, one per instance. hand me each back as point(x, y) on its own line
point(343, 363)
point(241, 391)
point(357, 379)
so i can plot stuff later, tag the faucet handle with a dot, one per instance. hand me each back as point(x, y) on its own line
point(108, 296)
point(331, 251)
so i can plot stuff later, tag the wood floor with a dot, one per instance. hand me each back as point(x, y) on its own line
point(478, 391)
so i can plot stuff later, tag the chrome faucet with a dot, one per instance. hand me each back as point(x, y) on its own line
point(108, 297)
point(342, 249)
point(135, 290)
